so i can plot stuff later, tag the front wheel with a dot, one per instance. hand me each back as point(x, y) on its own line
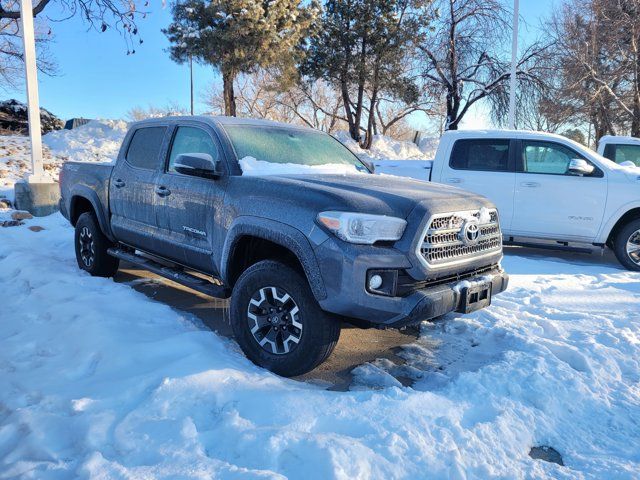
point(627, 245)
point(277, 321)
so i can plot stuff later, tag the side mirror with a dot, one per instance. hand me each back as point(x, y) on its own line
point(578, 166)
point(369, 165)
point(197, 165)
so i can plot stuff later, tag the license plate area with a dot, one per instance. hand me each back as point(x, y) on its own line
point(475, 297)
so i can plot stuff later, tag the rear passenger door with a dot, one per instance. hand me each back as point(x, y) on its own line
point(487, 167)
point(132, 186)
point(189, 207)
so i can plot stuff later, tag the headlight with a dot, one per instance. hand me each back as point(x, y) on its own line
point(361, 227)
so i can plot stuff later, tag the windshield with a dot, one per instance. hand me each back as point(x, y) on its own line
point(281, 145)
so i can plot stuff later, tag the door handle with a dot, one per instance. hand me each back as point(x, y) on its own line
point(530, 184)
point(163, 191)
point(118, 183)
point(453, 180)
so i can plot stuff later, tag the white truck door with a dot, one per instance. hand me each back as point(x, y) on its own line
point(551, 202)
point(484, 166)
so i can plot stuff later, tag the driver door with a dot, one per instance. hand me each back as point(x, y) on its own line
point(189, 206)
point(550, 202)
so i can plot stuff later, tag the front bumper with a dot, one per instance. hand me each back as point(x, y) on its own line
point(344, 274)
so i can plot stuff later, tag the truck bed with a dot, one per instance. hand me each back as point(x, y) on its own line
point(88, 178)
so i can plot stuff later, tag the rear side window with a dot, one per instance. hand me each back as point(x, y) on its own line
point(482, 155)
point(623, 153)
point(144, 149)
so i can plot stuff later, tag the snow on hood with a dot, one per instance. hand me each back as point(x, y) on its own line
point(253, 167)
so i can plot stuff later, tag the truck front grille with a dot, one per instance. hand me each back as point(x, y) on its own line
point(453, 238)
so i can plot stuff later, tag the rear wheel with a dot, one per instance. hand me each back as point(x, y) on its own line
point(627, 245)
point(91, 248)
point(277, 321)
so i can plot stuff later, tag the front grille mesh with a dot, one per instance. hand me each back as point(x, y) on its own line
point(443, 241)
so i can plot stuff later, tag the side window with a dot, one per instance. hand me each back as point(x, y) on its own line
point(623, 153)
point(191, 140)
point(481, 155)
point(144, 148)
point(547, 157)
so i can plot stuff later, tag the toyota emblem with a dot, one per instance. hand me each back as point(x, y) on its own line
point(470, 233)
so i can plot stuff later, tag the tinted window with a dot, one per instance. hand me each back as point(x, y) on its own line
point(547, 157)
point(623, 153)
point(144, 149)
point(483, 155)
point(191, 140)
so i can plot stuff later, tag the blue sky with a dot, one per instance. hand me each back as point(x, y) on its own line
point(98, 79)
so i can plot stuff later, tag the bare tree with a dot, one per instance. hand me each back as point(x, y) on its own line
point(11, 55)
point(151, 111)
point(463, 56)
point(313, 104)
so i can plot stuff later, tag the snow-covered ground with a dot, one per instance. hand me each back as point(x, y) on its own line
point(98, 381)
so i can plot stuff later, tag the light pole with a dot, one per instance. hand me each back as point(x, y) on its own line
point(33, 102)
point(39, 194)
point(191, 80)
point(514, 59)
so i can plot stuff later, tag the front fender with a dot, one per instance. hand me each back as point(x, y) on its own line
point(281, 234)
point(82, 191)
point(609, 223)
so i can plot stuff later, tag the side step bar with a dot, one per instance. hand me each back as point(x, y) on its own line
point(177, 275)
point(548, 246)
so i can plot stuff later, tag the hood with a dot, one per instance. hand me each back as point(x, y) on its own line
point(376, 194)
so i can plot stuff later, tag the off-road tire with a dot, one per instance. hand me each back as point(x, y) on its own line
point(620, 244)
point(318, 335)
point(91, 248)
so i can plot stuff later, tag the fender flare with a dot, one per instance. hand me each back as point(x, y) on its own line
point(607, 227)
point(82, 191)
point(282, 234)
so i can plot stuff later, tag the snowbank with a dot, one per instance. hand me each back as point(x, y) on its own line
point(98, 381)
point(386, 148)
point(96, 141)
point(252, 167)
point(394, 157)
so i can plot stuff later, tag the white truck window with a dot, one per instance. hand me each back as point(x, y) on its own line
point(480, 155)
point(547, 157)
point(623, 153)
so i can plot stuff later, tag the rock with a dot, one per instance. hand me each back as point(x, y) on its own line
point(5, 203)
point(21, 216)
point(11, 223)
point(14, 117)
point(36, 228)
point(548, 454)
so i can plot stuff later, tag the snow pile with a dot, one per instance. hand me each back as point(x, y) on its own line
point(386, 148)
point(394, 157)
point(252, 167)
point(96, 141)
point(15, 162)
point(97, 380)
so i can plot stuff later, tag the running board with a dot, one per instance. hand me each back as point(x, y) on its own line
point(563, 247)
point(177, 275)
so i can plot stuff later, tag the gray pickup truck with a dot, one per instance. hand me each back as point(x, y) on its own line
point(288, 223)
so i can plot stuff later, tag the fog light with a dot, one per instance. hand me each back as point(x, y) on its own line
point(375, 282)
point(382, 282)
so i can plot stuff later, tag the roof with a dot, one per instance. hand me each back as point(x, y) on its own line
point(222, 120)
point(506, 133)
point(620, 140)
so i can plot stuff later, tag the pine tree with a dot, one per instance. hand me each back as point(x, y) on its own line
point(239, 36)
point(363, 47)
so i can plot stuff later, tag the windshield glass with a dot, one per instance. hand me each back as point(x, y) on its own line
point(281, 145)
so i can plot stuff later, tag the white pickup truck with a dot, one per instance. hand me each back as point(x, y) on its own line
point(550, 191)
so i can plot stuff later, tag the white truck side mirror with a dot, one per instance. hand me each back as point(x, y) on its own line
point(578, 166)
